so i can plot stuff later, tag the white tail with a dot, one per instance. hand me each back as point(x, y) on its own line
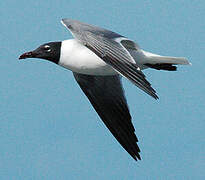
point(157, 59)
point(163, 62)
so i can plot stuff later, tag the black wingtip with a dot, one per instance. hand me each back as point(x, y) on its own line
point(150, 91)
point(155, 97)
point(138, 157)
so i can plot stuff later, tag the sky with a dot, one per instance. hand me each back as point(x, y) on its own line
point(48, 129)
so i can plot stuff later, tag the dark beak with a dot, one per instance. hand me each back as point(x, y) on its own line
point(30, 54)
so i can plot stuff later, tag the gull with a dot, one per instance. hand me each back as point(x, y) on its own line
point(98, 59)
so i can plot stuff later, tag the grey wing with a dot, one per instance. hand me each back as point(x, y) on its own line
point(107, 97)
point(111, 47)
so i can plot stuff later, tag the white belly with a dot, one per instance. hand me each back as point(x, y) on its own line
point(78, 58)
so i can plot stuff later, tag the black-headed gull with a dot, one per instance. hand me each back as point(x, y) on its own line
point(98, 58)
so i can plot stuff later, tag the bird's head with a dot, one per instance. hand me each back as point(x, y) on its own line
point(49, 51)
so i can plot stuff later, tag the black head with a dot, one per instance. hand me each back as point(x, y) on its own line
point(49, 51)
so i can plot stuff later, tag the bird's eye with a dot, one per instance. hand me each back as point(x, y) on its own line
point(47, 48)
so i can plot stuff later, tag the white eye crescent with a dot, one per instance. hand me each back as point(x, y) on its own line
point(47, 48)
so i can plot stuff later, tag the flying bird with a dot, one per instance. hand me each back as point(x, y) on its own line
point(98, 59)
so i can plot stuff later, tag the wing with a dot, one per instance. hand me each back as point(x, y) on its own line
point(107, 97)
point(111, 48)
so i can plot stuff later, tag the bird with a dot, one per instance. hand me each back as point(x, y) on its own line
point(98, 59)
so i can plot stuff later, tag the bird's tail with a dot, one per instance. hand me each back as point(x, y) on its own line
point(164, 62)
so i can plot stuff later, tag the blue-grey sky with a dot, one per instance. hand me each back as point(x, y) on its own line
point(48, 129)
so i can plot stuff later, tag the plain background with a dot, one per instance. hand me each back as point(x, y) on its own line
point(48, 129)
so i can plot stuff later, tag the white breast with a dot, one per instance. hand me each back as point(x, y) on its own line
point(78, 58)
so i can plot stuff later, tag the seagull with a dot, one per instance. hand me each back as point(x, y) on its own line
point(98, 59)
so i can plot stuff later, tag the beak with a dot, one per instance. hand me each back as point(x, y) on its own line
point(30, 54)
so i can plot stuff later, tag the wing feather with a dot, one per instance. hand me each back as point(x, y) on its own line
point(107, 97)
point(104, 44)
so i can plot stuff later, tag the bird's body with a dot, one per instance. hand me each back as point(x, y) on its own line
point(98, 58)
point(78, 58)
